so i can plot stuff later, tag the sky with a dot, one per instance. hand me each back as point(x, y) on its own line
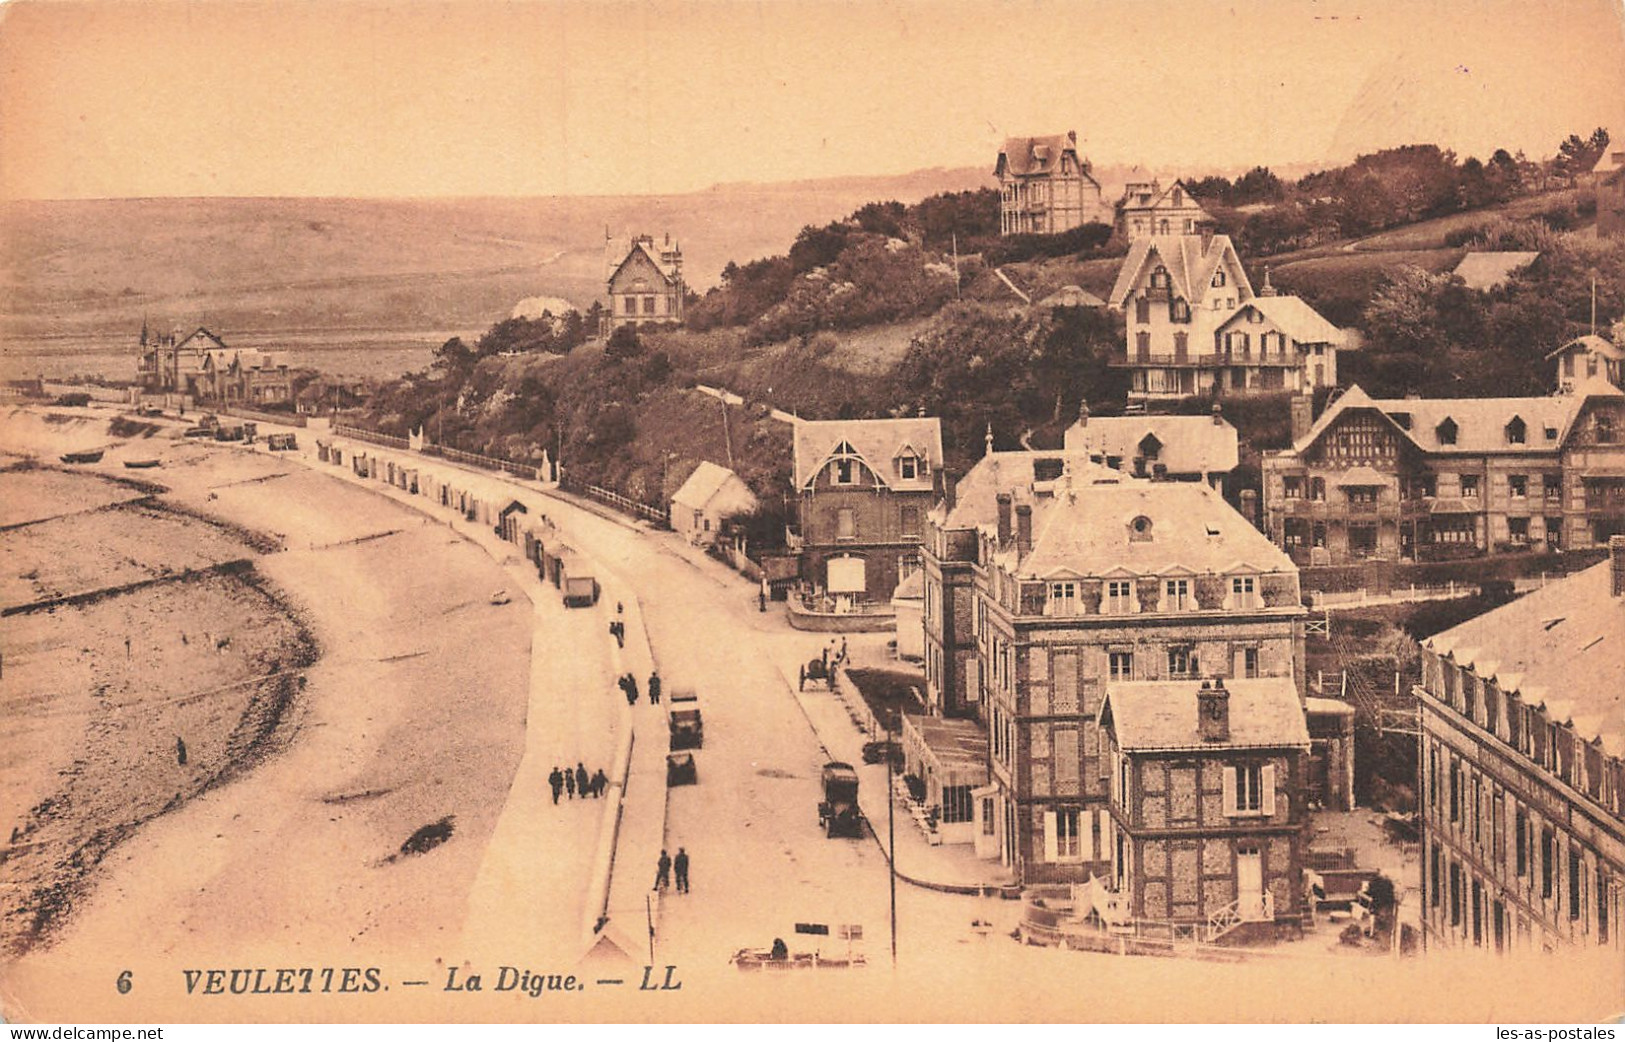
point(118, 98)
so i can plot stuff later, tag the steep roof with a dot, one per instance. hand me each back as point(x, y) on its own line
point(876, 442)
point(703, 485)
point(1191, 527)
point(1562, 646)
point(1591, 343)
point(202, 334)
point(1034, 156)
point(1190, 444)
point(1611, 160)
point(1292, 316)
point(1480, 422)
point(1487, 269)
point(1034, 473)
point(1070, 296)
point(1150, 715)
point(1190, 266)
point(643, 247)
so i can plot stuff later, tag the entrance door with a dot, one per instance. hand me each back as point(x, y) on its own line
point(1250, 882)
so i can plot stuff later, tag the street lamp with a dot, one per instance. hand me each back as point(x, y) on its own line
point(891, 841)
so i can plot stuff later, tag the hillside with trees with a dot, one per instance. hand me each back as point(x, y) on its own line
point(897, 309)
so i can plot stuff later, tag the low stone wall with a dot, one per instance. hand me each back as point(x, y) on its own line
point(840, 622)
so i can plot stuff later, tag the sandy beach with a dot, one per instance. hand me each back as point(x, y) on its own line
point(322, 687)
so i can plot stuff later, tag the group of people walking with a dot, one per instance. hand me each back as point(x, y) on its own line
point(577, 782)
point(629, 687)
point(667, 865)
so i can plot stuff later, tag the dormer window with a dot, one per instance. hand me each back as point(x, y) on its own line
point(1218, 278)
point(1446, 431)
point(1516, 431)
point(843, 471)
point(1159, 277)
point(1139, 530)
point(908, 468)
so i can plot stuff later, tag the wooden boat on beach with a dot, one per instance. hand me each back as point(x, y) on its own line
point(82, 457)
point(141, 464)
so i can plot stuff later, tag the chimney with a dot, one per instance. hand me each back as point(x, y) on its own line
point(1083, 413)
point(1249, 507)
point(988, 441)
point(1616, 557)
point(1213, 711)
point(1218, 415)
point(1004, 501)
point(1205, 228)
point(950, 489)
point(1024, 528)
point(1268, 290)
point(1303, 415)
point(1072, 136)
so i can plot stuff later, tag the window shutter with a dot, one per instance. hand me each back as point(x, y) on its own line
point(1230, 792)
point(1050, 846)
point(1267, 776)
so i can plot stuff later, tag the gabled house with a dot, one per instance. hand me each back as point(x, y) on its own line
point(1163, 448)
point(863, 488)
point(646, 284)
point(1523, 771)
point(1147, 208)
point(1175, 291)
point(1275, 343)
point(710, 494)
point(1585, 357)
point(1045, 188)
point(1439, 478)
point(202, 366)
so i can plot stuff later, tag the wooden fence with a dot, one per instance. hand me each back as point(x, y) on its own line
point(622, 503)
point(362, 434)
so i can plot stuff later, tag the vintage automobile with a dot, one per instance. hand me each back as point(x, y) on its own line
point(580, 591)
point(817, 673)
point(839, 814)
point(680, 770)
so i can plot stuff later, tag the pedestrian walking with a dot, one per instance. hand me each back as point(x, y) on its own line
point(632, 686)
point(600, 782)
point(663, 871)
point(681, 867)
point(556, 782)
point(570, 784)
point(180, 751)
point(826, 654)
point(581, 780)
point(654, 688)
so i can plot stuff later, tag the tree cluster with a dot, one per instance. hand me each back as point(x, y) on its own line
point(1385, 189)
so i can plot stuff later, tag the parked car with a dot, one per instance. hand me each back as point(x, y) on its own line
point(839, 814)
point(683, 719)
point(876, 752)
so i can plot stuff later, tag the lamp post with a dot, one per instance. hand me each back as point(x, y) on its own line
point(891, 842)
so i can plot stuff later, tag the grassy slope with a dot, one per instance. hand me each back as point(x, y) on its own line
point(96, 266)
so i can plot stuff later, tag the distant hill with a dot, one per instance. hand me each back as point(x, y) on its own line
point(89, 267)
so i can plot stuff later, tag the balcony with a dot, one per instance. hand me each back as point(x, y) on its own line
point(1140, 360)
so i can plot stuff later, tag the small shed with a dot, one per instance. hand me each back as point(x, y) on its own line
point(908, 604)
point(508, 520)
point(710, 494)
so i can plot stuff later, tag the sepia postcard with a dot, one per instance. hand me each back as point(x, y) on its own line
point(819, 511)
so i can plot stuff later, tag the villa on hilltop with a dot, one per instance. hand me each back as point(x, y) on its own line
point(1147, 208)
point(1195, 326)
point(1045, 188)
point(646, 284)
